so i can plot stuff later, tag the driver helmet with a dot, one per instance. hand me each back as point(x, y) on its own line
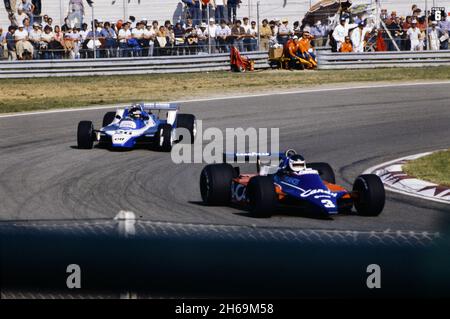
point(296, 163)
point(135, 112)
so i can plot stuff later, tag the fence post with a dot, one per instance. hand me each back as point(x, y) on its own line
point(208, 8)
point(94, 29)
point(258, 24)
point(61, 12)
point(426, 23)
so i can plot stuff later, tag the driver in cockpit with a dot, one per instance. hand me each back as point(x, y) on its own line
point(293, 164)
point(137, 112)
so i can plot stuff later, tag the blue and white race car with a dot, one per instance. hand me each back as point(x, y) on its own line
point(150, 124)
point(291, 184)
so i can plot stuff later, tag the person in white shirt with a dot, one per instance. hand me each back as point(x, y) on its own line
point(76, 36)
point(138, 35)
point(414, 37)
point(202, 35)
point(138, 32)
point(223, 34)
point(219, 7)
point(149, 36)
point(83, 32)
point(22, 43)
point(35, 38)
point(341, 31)
point(434, 35)
point(2, 43)
point(20, 16)
point(284, 31)
point(246, 25)
point(358, 37)
point(253, 36)
point(27, 7)
point(124, 36)
point(211, 32)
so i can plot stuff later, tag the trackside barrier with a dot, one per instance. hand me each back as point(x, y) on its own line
point(369, 60)
point(123, 66)
point(209, 63)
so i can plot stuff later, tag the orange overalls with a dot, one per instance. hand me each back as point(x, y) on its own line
point(304, 44)
point(291, 51)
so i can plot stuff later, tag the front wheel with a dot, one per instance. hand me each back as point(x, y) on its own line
point(108, 118)
point(164, 137)
point(262, 196)
point(369, 195)
point(85, 135)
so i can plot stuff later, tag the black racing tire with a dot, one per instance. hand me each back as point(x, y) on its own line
point(370, 195)
point(325, 171)
point(85, 135)
point(188, 122)
point(215, 184)
point(262, 196)
point(164, 138)
point(108, 118)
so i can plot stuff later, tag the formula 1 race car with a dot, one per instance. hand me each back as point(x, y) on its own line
point(137, 124)
point(292, 183)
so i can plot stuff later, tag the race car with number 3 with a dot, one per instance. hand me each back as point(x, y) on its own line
point(291, 183)
point(139, 124)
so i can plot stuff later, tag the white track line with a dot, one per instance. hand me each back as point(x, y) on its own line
point(306, 91)
point(372, 169)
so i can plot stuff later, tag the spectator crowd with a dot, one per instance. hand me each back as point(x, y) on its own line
point(415, 32)
point(38, 37)
point(32, 37)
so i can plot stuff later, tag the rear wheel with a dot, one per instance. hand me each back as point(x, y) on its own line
point(370, 195)
point(262, 196)
point(108, 118)
point(325, 171)
point(85, 135)
point(188, 122)
point(215, 183)
point(164, 137)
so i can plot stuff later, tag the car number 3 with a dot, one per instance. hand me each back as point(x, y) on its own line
point(327, 203)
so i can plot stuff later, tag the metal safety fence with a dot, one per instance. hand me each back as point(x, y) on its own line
point(197, 260)
point(125, 66)
point(367, 60)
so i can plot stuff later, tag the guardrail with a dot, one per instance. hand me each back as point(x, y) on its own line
point(125, 66)
point(213, 62)
point(368, 60)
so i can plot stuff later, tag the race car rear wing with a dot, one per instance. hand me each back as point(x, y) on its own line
point(251, 157)
point(267, 161)
point(160, 106)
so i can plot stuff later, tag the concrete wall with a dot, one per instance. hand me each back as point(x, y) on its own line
point(171, 9)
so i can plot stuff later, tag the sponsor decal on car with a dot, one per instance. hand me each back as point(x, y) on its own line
point(311, 192)
point(238, 192)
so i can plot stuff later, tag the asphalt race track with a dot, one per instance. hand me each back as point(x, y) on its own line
point(43, 176)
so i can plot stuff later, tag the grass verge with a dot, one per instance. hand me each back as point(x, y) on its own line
point(47, 93)
point(434, 168)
